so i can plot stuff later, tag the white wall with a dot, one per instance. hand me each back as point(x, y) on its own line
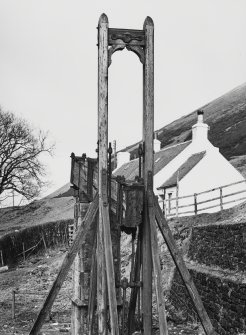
point(211, 172)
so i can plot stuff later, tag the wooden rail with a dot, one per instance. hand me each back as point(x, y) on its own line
point(195, 203)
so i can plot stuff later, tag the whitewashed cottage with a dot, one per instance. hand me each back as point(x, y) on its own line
point(191, 177)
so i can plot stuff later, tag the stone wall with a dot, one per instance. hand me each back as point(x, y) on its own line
point(40, 237)
point(224, 301)
point(217, 262)
point(219, 245)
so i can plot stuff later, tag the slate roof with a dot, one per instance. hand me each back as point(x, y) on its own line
point(185, 168)
point(161, 159)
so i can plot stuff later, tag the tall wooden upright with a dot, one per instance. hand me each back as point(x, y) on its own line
point(141, 42)
point(102, 165)
point(104, 243)
point(148, 130)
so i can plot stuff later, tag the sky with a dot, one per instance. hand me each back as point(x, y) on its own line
point(48, 67)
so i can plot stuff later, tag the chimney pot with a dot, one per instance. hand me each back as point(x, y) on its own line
point(200, 114)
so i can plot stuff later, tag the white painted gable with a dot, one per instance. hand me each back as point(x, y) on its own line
point(212, 171)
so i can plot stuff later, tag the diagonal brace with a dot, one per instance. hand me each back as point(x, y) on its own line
point(104, 210)
point(184, 273)
point(86, 225)
point(157, 267)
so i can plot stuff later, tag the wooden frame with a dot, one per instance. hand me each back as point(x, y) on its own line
point(147, 259)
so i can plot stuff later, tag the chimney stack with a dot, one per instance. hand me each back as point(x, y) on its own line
point(200, 114)
point(157, 143)
point(122, 158)
point(200, 130)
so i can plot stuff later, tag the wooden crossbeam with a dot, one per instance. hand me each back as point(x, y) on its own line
point(157, 269)
point(66, 264)
point(180, 264)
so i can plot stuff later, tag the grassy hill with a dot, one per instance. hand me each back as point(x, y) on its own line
point(226, 117)
point(38, 212)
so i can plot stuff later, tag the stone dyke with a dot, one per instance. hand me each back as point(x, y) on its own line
point(223, 298)
point(219, 245)
point(33, 239)
point(217, 262)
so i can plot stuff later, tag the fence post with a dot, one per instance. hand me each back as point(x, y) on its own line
point(23, 248)
point(1, 253)
point(164, 207)
point(195, 203)
point(13, 304)
point(221, 199)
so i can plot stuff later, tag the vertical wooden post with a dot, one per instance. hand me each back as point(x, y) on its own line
point(23, 251)
point(195, 203)
point(92, 291)
point(221, 199)
point(78, 320)
point(1, 255)
point(43, 238)
point(177, 195)
point(13, 304)
point(148, 131)
point(103, 148)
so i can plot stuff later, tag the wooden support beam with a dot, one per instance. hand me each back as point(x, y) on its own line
point(78, 319)
point(148, 131)
point(157, 269)
point(102, 165)
point(135, 290)
point(92, 291)
point(180, 264)
point(104, 209)
point(66, 264)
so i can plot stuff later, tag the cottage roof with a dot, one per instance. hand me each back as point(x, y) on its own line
point(182, 171)
point(161, 159)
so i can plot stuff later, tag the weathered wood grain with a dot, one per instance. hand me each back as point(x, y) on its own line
point(103, 160)
point(148, 130)
point(104, 209)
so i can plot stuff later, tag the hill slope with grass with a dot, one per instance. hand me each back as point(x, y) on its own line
point(226, 117)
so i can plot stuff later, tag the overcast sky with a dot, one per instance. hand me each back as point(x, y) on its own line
point(48, 66)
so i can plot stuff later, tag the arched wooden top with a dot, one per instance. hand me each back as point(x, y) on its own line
point(103, 19)
point(148, 22)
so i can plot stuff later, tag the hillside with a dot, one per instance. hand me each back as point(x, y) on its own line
point(35, 213)
point(226, 117)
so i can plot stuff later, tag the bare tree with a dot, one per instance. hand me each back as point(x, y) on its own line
point(21, 170)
